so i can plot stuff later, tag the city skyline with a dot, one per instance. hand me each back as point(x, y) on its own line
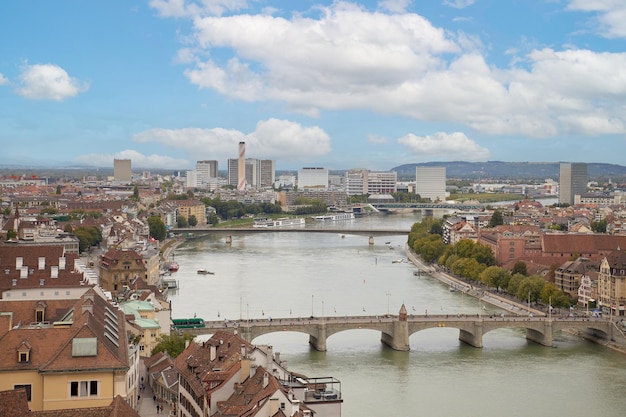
point(335, 84)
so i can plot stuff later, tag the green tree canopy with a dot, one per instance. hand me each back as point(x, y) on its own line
point(497, 277)
point(88, 236)
point(192, 220)
point(496, 219)
point(519, 268)
point(157, 228)
point(182, 222)
point(174, 344)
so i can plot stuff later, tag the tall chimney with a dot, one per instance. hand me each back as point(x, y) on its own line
point(241, 167)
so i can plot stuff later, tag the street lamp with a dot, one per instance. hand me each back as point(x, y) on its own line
point(388, 295)
point(312, 298)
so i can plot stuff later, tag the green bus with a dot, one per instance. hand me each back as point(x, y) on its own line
point(193, 323)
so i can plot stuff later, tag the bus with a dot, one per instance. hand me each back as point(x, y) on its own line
point(193, 323)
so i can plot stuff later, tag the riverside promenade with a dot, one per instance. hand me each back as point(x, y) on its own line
point(473, 291)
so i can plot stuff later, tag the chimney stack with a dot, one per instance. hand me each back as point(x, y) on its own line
point(241, 167)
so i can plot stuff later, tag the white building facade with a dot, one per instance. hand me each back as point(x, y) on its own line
point(312, 177)
point(430, 182)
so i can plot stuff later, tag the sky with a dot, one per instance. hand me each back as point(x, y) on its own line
point(334, 84)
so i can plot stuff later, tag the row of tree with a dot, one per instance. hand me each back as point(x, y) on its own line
point(476, 262)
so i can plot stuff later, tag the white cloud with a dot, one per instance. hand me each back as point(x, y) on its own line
point(138, 159)
point(48, 82)
point(611, 15)
point(448, 146)
point(182, 8)
point(458, 4)
point(394, 6)
point(272, 139)
point(3, 80)
point(352, 58)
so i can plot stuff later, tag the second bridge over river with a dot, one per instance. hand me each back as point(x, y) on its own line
point(396, 329)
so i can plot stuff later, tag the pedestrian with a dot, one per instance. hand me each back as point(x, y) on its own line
point(157, 408)
point(154, 398)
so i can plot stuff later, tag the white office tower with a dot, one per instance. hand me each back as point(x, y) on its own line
point(241, 167)
point(572, 181)
point(430, 182)
point(207, 169)
point(363, 181)
point(122, 170)
point(312, 177)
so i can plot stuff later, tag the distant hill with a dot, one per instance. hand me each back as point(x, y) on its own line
point(512, 170)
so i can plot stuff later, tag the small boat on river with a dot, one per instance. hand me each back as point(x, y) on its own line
point(203, 271)
point(173, 266)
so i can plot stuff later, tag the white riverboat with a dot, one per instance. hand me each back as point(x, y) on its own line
point(282, 222)
point(334, 217)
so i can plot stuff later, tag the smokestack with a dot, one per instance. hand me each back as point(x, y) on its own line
point(241, 167)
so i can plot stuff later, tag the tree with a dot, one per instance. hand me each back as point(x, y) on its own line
point(599, 226)
point(483, 254)
point(182, 222)
point(157, 228)
point(58, 189)
point(495, 276)
point(68, 228)
point(496, 219)
point(11, 234)
point(88, 236)
point(174, 344)
point(531, 287)
point(519, 268)
point(213, 219)
point(135, 193)
point(192, 220)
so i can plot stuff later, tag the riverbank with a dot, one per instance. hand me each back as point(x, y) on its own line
point(473, 291)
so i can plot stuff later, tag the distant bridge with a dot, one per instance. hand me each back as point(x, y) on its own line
point(395, 332)
point(232, 231)
point(428, 206)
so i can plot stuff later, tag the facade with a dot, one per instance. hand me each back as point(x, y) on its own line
point(572, 181)
point(612, 284)
point(312, 177)
point(569, 276)
point(118, 268)
point(430, 182)
point(186, 208)
point(362, 181)
point(144, 320)
point(82, 361)
point(122, 171)
point(259, 173)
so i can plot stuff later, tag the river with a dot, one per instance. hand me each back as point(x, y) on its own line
point(301, 274)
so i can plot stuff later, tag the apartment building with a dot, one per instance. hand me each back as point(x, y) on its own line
point(612, 284)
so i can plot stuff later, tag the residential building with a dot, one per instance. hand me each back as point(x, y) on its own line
point(122, 171)
point(568, 277)
point(141, 316)
point(118, 268)
point(612, 283)
point(162, 377)
point(572, 181)
point(186, 208)
point(76, 355)
point(430, 182)
point(259, 173)
point(312, 177)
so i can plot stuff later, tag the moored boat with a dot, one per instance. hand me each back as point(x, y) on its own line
point(204, 271)
point(173, 266)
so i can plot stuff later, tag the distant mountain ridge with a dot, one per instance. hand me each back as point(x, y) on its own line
point(510, 170)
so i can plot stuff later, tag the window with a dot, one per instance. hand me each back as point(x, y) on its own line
point(23, 356)
point(28, 389)
point(83, 388)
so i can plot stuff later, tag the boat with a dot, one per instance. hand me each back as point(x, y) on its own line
point(173, 266)
point(397, 261)
point(334, 217)
point(453, 288)
point(203, 271)
point(281, 222)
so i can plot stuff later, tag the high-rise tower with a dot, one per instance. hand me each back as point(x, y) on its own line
point(241, 167)
point(572, 181)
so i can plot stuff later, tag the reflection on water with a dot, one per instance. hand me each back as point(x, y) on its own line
point(299, 274)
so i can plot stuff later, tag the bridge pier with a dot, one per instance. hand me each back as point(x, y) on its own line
point(371, 240)
point(543, 338)
point(229, 240)
point(319, 341)
point(474, 338)
point(399, 337)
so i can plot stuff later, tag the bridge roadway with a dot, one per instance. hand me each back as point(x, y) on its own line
point(229, 231)
point(396, 329)
point(428, 206)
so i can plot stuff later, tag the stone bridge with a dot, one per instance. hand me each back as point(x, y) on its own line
point(396, 329)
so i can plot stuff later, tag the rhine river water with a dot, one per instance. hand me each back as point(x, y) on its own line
point(301, 274)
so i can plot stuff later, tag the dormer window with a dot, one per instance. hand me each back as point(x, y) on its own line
point(23, 352)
